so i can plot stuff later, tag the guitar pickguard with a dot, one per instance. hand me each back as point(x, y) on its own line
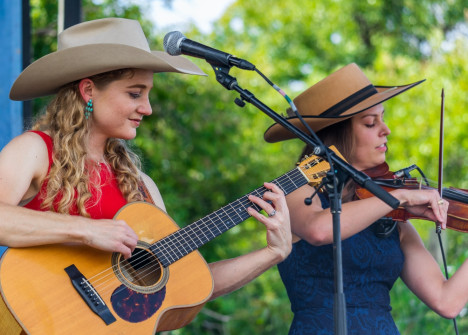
point(135, 307)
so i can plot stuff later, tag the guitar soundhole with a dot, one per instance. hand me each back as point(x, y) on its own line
point(142, 272)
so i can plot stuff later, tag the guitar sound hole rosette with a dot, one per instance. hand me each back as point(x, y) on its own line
point(142, 272)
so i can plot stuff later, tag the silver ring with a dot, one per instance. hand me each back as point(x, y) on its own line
point(441, 202)
point(272, 213)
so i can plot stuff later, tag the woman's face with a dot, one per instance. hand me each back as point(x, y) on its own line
point(121, 105)
point(370, 138)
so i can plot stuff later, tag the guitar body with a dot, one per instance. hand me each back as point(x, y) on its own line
point(74, 289)
point(39, 298)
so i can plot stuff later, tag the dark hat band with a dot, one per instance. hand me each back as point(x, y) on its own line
point(352, 100)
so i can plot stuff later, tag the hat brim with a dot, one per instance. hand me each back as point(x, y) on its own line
point(49, 73)
point(277, 133)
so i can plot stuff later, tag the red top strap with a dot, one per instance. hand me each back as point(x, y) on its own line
point(105, 201)
point(48, 141)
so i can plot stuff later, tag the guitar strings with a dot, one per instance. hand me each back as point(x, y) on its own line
point(210, 223)
point(156, 265)
point(175, 243)
point(201, 228)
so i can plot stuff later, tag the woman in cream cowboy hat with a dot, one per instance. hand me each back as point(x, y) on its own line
point(75, 160)
point(346, 110)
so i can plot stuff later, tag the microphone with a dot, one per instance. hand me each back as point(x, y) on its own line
point(405, 172)
point(175, 43)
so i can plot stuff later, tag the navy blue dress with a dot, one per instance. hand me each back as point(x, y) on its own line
point(371, 265)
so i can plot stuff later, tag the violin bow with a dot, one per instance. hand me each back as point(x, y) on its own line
point(439, 186)
point(441, 143)
point(441, 149)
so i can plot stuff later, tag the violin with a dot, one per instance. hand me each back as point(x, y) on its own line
point(457, 215)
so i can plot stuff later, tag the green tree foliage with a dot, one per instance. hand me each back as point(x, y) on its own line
point(298, 43)
point(204, 151)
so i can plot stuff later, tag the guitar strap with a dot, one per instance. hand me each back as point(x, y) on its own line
point(144, 192)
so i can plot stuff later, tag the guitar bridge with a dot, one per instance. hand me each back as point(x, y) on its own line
point(89, 294)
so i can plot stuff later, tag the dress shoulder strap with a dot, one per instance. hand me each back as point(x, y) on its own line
point(48, 141)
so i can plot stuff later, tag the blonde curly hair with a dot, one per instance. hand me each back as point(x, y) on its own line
point(70, 172)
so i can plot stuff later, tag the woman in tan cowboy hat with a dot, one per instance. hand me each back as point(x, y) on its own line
point(75, 160)
point(346, 110)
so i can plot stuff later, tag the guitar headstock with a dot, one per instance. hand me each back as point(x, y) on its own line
point(315, 168)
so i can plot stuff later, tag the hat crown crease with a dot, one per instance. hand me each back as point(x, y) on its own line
point(331, 91)
point(104, 31)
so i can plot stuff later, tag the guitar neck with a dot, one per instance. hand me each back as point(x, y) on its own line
point(185, 240)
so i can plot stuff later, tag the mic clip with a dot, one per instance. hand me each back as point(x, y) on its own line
point(223, 77)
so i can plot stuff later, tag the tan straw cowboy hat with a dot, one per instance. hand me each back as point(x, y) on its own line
point(336, 98)
point(95, 47)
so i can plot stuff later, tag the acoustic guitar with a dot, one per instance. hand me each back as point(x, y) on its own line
point(75, 289)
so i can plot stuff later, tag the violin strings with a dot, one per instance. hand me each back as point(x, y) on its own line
point(417, 182)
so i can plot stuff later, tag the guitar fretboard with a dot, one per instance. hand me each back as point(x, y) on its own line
point(180, 243)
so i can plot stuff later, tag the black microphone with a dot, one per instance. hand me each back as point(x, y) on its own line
point(405, 172)
point(175, 43)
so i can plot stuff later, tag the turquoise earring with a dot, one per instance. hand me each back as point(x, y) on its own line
point(88, 108)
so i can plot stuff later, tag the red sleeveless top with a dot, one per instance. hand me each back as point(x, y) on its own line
point(110, 200)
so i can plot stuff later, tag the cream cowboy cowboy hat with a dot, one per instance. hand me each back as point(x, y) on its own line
point(336, 98)
point(95, 47)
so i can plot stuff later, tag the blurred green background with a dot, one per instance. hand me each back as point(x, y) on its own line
point(204, 151)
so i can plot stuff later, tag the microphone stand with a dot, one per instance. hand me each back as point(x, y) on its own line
point(340, 171)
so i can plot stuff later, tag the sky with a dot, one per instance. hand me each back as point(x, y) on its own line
point(200, 12)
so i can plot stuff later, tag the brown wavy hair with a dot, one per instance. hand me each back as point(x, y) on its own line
point(70, 172)
point(338, 134)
